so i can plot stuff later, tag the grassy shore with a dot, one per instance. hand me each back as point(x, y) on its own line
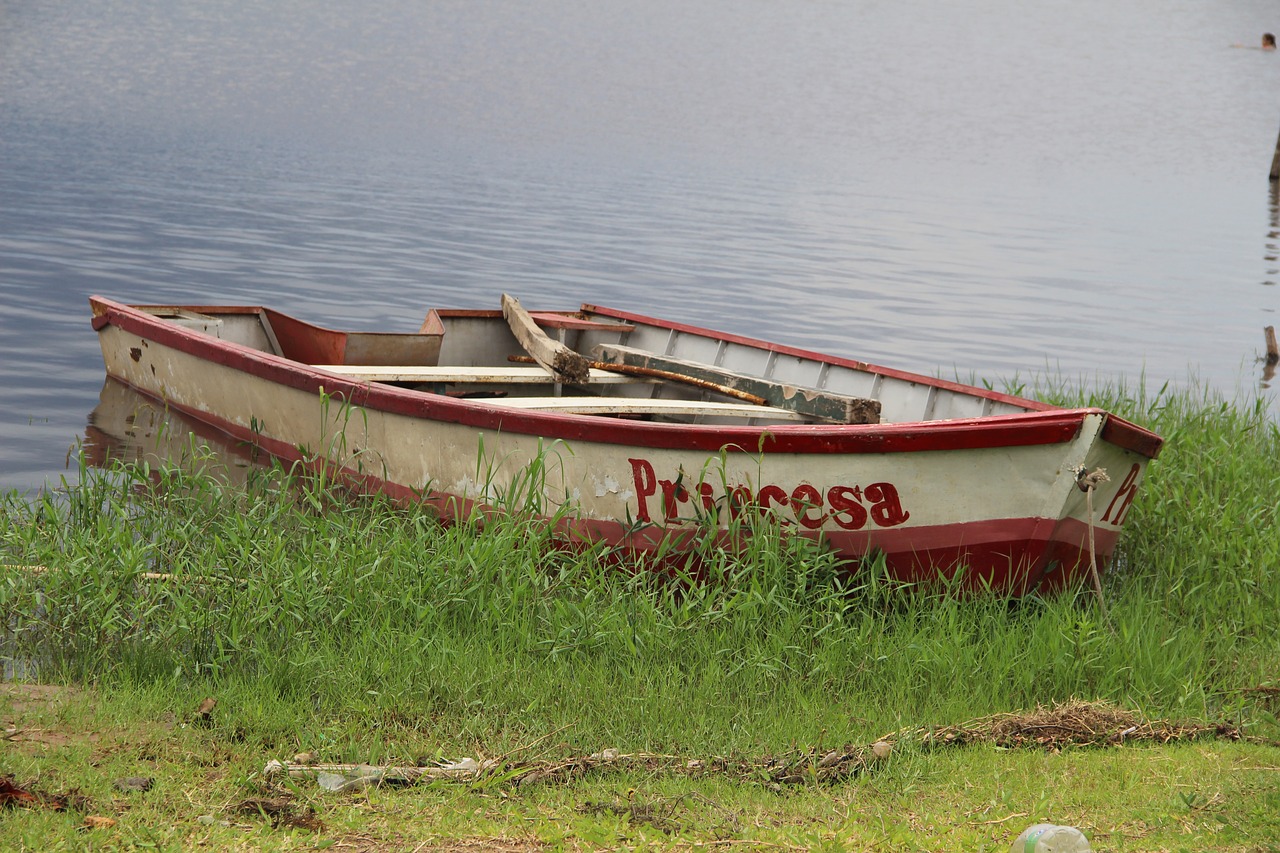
point(366, 633)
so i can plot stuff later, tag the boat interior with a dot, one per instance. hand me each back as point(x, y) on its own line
point(599, 362)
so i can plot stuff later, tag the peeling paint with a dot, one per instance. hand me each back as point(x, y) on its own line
point(608, 485)
point(468, 488)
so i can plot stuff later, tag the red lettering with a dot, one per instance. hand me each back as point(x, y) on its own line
point(848, 507)
point(739, 499)
point(772, 494)
point(708, 497)
point(672, 491)
point(805, 497)
point(1124, 497)
point(887, 510)
point(847, 510)
point(646, 481)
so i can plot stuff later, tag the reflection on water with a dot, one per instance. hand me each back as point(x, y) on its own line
point(1272, 257)
point(1271, 358)
point(127, 426)
point(945, 188)
point(1272, 254)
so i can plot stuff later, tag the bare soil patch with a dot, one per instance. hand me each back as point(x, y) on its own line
point(24, 698)
point(281, 811)
point(29, 714)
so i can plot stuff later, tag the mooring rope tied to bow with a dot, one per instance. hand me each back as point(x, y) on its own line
point(1088, 483)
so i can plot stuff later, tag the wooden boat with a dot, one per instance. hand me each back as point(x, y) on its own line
point(664, 432)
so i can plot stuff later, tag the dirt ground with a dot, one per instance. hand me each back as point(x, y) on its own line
point(29, 714)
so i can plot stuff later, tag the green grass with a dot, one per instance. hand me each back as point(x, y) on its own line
point(367, 632)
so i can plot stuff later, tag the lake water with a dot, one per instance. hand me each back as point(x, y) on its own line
point(983, 189)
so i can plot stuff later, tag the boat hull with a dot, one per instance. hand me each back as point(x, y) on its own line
point(996, 496)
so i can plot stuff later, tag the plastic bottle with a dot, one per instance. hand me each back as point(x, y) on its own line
point(1051, 838)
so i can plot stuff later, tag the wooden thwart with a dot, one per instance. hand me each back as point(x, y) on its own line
point(641, 406)
point(807, 402)
point(477, 375)
point(556, 320)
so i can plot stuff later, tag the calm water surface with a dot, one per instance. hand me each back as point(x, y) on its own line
point(988, 191)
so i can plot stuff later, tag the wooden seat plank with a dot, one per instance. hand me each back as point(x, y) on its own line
point(640, 406)
point(552, 320)
point(479, 375)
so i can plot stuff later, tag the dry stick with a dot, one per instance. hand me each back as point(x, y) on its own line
point(655, 373)
point(729, 842)
point(1001, 820)
point(146, 576)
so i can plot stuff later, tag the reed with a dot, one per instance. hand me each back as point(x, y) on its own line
point(304, 605)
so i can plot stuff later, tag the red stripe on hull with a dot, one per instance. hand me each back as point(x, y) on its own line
point(1015, 556)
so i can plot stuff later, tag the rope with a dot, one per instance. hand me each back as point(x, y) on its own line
point(1088, 483)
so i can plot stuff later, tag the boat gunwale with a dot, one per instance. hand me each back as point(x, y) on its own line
point(825, 358)
point(1045, 424)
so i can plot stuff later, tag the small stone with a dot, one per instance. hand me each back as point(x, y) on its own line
point(131, 784)
point(304, 758)
point(881, 749)
point(204, 714)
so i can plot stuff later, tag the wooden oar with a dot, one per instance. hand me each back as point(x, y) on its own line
point(814, 402)
point(667, 375)
point(563, 363)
